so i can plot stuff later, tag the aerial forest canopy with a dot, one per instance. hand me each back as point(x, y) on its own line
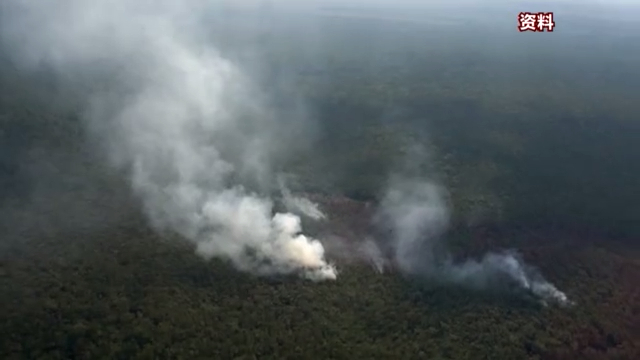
point(182, 184)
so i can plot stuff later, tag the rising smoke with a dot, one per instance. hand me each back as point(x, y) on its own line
point(196, 139)
point(183, 121)
point(416, 212)
point(300, 205)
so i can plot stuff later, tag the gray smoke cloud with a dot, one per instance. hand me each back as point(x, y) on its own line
point(373, 254)
point(416, 212)
point(298, 204)
point(186, 124)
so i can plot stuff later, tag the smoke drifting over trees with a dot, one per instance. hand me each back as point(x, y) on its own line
point(176, 179)
point(197, 138)
point(182, 120)
point(416, 213)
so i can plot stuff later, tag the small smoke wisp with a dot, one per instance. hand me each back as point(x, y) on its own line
point(183, 121)
point(372, 253)
point(416, 213)
point(300, 205)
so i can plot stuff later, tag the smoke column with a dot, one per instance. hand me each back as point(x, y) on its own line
point(372, 253)
point(183, 121)
point(416, 212)
point(299, 204)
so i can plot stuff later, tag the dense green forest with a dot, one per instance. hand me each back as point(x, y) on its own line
point(535, 137)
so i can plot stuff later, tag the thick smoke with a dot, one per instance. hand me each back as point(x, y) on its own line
point(416, 212)
point(185, 123)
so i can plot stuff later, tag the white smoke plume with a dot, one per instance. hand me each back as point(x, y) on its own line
point(372, 253)
point(417, 214)
point(298, 204)
point(180, 118)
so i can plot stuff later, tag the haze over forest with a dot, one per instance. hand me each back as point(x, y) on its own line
point(290, 180)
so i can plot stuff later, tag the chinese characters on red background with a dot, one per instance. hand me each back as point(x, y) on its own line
point(536, 22)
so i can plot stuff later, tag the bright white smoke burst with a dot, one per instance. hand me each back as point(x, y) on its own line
point(182, 119)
